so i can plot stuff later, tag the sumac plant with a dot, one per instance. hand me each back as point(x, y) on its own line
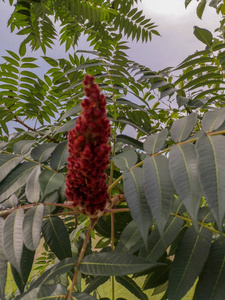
point(112, 186)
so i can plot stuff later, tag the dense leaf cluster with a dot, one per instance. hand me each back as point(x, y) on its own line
point(164, 223)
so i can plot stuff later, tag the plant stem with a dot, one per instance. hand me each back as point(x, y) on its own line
point(92, 224)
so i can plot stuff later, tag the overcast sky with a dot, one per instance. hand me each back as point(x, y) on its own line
point(175, 24)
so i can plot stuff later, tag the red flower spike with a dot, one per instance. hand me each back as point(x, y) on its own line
point(89, 153)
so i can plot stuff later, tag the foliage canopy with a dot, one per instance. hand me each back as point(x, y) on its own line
point(165, 218)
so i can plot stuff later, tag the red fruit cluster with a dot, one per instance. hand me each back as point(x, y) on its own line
point(89, 153)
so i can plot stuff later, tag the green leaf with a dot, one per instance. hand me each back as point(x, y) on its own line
point(157, 277)
point(159, 190)
point(46, 292)
point(13, 238)
point(66, 127)
point(114, 264)
point(60, 268)
point(129, 141)
point(42, 153)
point(12, 201)
point(167, 92)
point(7, 163)
point(158, 244)
point(50, 181)
point(131, 286)
point(189, 261)
point(59, 156)
point(182, 128)
point(182, 101)
point(131, 123)
point(130, 239)
point(212, 120)
point(211, 280)
point(32, 189)
point(26, 264)
point(184, 174)
point(32, 226)
point(154, 143)
point(16, 179)
point(71, 112)
point(200, 8)
point(211, 157)
point(202, 34)
point(57, 237)
point(95, 283)
point(3, 262)
point(22, 147)
point(126, 159)
point(134, 194)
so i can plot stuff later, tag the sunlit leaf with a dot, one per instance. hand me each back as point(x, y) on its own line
point(7, 163)
point(212, 120)
point(22, 147)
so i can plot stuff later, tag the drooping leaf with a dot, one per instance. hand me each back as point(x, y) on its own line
point(95, 283)
point(54, 292)
point(73, 111)
point(184, 174)
point(22, 147)
point(66, 127)
point(42, 153)
point(154, 143)
point(126, 159)
point(157, 277)
point(212, 120)
point(114, 264)
point(200, 10)
point(12, 201)
point(32, 188)
point(134, 194)
point(130, 239)
point(131, 123)
point(211, 279)
point(16, 179)
point(189, 261)
point(182, 128)
point(7, 163)
point(50, 181)
point(32, 226)
point(60, 268)
point(59, 156)
point(26, 264)
point(3, 262)
point(131, 286)
point(211, 157)
point(129, 141)
point(57, 237)
point(158, 244)
point(13, 238)
point(158, 188)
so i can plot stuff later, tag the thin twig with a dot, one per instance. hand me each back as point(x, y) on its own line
point(92, 224)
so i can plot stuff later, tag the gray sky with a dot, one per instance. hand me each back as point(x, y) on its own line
point(175, 26)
